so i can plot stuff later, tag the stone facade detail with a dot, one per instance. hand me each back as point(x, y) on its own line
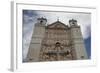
point(56, 42)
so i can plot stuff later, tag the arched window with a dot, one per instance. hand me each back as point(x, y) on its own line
point(57, 44)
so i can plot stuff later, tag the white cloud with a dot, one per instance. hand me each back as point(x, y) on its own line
point(27, 33)
point(86, 31)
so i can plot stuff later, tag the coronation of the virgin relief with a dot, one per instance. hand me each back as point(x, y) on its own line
point(56, 42)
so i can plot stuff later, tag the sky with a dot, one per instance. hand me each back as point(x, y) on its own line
point(30, 17)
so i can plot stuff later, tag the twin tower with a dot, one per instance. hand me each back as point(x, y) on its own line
point(56, 42)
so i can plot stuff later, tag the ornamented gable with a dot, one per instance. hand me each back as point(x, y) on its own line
point(58, 25)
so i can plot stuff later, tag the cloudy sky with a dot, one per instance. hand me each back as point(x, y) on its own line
point(30, 18)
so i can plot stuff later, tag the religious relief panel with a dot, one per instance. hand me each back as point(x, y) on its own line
point(55, 52)
point(56, 45)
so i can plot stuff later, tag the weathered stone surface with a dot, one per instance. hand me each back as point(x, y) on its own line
point(56, 42)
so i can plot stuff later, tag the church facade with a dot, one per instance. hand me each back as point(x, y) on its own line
point(56, 42)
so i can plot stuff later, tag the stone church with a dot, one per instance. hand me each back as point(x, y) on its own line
point(56, 42)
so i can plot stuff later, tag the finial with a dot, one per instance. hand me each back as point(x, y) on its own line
point(57, 18)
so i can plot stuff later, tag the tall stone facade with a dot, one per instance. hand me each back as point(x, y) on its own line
point(56, 42)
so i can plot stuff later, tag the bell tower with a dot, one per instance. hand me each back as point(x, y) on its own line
point(73, 22)
point(77, 40)
point(42, 21)
point(36, 40)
